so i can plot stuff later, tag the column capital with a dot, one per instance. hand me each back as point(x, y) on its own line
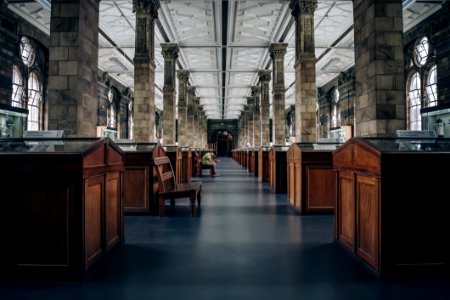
point(149, 7)
point(265, 75)
point(278, 50)
point(256, 91)
point(183, 75)
point(191, 90)
point(169, 50)
point(303, 7)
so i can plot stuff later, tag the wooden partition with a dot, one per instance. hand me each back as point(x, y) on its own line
point(311, 178)
point(186, 164)
point(61, 206)
point(195, 155)
point(176, 157)
point(391, 210)
point(140, 181)
point(263, 164)
point(278, 168)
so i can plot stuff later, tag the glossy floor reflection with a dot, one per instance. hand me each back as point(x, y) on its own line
point(244, 244)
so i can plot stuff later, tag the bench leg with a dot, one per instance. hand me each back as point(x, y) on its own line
point(192, 205)
point(161, 207)
point(199, 198)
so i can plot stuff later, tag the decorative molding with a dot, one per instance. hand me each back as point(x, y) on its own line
point(149, 7)
point(265, 75)
point(183, 75)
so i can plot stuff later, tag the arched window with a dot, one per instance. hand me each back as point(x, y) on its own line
point(130, 120)
point(335, 120)
point(27, 51)
point(431, 87)
point(34, 101)
point(415, 122)
point(17, 88)
point(111, 118)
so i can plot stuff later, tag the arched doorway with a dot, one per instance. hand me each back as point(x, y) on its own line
point(224, 141)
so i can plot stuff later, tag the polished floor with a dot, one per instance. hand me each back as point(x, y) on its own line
point(245, 243)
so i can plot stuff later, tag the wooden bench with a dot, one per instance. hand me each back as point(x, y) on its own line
point(201, 167)
point(169, 189)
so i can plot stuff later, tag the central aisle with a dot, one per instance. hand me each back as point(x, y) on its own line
point(244, 244)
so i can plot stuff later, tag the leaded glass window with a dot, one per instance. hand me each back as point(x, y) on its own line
point(17, 87)
point(431, 87)
point(27, 51)
point(34, 101)
point(415, 122)
point(421, 51)
point(334, 106)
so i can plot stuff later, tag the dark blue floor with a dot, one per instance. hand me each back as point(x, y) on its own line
point(244, 244)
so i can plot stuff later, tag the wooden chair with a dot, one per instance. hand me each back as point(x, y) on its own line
point(169, 189)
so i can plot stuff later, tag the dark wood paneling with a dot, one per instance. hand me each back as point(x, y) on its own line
point(113, 210)
point(136, 187)
point(367, 219)
point(346, 210)
point(320, 188)
point(94, 189)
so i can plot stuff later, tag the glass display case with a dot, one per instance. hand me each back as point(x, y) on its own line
point(63, 200)
point(310, 177)
point(391, 209)
point(140, 181)
point(12, 121)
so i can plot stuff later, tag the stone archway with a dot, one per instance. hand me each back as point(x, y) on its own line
point(224, 141)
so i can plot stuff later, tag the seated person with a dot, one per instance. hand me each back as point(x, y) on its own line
point(210, 159)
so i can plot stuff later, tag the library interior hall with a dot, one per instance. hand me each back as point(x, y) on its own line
point(224, 149)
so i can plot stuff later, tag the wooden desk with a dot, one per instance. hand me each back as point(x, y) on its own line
point(278, 168)
point(263, 164)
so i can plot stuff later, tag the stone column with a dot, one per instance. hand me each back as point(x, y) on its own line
point(246, 123)
point(264, 78)
point(250, 122)
point(190, 116)
point(256, 92)
point(144, 70)
point(183, 76)
point(170, 54)
point(198, 137)
point(379, 68)
point(73, 67)
point(305, 71)
point(277, 53)
point(195, 121)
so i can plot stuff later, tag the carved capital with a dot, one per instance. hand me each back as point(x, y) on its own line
point(191, 90)
point(149, 7)
point(183, 75)
point(265, 75)
point(169, 51)
point(303, 7)
point(278, 50)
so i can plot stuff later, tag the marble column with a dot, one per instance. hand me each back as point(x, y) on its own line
point(183, 76)
point(264, 79)
point(190, 116)
point(73, 67)
point(277, 53)
point(144, 71)
point(170, 54)
point(256, 93)
point(380, 105)
point(305, 71)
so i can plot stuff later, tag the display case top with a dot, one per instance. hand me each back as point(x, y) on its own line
point(319, 146)
point(136, 147)
point(408, 145)
point(71, 145)
point(280, 148)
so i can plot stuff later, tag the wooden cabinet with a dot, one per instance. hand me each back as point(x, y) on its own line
point(140, 181)
point(263, 164)
point(310, 177)
point(254, 161)
point(175, 156)
point(278, 168)
point(61, 206)
point(391, 210)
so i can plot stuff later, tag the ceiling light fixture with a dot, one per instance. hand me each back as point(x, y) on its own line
point(118, 64)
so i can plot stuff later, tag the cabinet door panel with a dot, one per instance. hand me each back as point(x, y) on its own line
point(113, 208)
point(320, 188)
point(368, 219)
point(346, 207)
point(135, 182)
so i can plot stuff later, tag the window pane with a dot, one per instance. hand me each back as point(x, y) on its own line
point(415, 122)
point(421, 51)
point(17, 88)
point(431, 87)
point(34, 101)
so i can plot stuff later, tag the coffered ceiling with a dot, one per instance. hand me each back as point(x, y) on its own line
point(224, 43)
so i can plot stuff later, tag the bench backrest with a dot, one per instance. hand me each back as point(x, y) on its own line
point(166, 177)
